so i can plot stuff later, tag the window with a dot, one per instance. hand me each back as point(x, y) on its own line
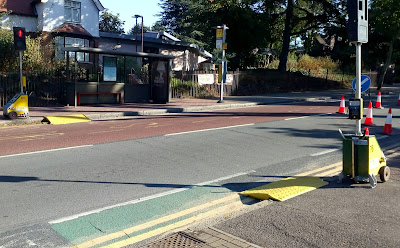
point(71, 42)
point(72, 11)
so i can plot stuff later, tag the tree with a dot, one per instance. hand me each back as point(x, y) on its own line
point(302, 15)
point(251, 25)
point(34, 58)
point(111, 23)
point(137, 29)
point(385, 24)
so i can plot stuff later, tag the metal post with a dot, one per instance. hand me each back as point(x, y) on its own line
point(20, 71)
point(142, 33)
point(221, 97)
point(76, 81)
point(358, 83)
point(136, 34)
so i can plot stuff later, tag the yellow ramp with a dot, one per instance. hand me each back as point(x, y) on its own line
point(66, 119)
point(286, 188)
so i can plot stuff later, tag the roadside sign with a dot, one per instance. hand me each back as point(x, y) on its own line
point(220, 33)
point(365, 83)
point(218, 43)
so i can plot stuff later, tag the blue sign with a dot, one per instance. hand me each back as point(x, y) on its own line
point(365, 83)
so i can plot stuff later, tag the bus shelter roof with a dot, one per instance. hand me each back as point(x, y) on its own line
point(117, 52)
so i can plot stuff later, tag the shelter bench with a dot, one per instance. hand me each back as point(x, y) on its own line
point(98, 93)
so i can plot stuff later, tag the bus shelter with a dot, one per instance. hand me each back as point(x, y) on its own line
point(116, 76)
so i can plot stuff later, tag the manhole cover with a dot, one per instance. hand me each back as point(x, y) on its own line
point(179, 239)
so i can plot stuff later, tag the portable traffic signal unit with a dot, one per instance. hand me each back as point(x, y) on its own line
point(17, 106)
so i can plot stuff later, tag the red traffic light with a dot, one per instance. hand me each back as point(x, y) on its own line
point(19, 39)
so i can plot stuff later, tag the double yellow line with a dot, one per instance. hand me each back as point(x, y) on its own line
point(234, 203)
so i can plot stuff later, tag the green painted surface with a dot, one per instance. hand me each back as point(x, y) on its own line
point(95, 225)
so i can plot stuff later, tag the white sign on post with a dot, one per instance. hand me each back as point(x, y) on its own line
point(218, 44)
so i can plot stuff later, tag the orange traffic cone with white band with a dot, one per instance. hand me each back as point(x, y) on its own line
point(378, 103)
point(387, 129)
point(398, 101)
point(368, 120)
point(342, 108)
point(366, 131)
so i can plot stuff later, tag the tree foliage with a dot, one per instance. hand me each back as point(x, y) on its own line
point(385, 28)
point(111, 23)
point(253, 24)
point(137, 29)
point(250, 22)
point(34, 58)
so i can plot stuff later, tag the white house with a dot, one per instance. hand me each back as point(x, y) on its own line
point(71, 22)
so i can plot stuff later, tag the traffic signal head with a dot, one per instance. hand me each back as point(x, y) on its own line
point(357, 25)
point(19, 39)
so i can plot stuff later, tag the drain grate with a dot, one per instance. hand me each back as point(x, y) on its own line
point(179, 239)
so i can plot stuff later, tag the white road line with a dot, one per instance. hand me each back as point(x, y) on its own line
point(325, 152)
point(44, 151)
point(76, 216)
point(295, 118)
point(210, 129)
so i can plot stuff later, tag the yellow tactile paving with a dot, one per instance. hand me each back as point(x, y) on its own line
point(66, 119)
point(286, 188)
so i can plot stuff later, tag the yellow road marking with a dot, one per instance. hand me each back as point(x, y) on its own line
point(122, 233)
point(178, 224)
point(307, 173)
point(31, 137)
point(107, 131)
point(328, 170)
point(130, 125)
point(332, 172)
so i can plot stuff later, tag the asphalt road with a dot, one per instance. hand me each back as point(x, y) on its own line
point(43, 137)
point(111, 162)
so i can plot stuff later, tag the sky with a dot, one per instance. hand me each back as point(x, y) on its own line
point(128, 8)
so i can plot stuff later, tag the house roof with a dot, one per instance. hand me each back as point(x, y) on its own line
point(20, 7)
point(116, 52)
point(69, 28)
point(159, 42)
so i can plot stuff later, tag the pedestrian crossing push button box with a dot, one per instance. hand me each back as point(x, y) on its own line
point(355, 109)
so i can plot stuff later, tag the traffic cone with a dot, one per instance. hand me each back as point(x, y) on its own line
point(366, 131)
point(368, 119)
point(387, 129)
point(378, 103)
point(398, 101)
point(342, 108)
